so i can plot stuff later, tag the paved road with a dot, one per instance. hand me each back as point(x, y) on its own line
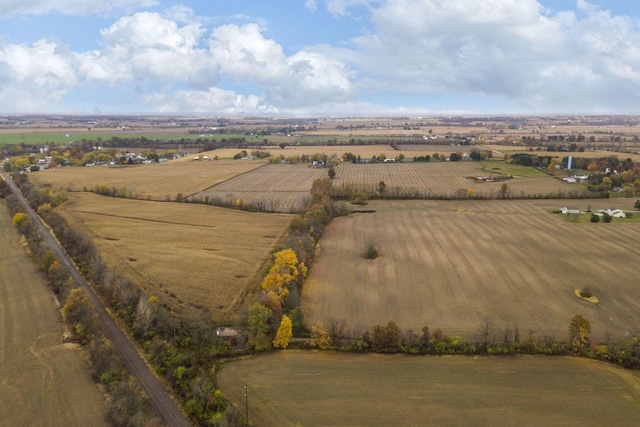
point(160, 398)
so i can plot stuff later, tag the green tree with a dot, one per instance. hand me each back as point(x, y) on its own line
point(579, 332)
point(332, 172)
point(382, 187)
point(504, 190)
point(606, 217)
point(285, 331)
point(258, 327)
point(637, 204)
point(595, 218)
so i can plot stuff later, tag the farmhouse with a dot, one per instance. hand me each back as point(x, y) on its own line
point(565, 210)
point(614, 212)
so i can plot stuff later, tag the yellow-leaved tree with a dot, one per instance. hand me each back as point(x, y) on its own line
point(319, 336)
point(285, 331)
point(285, 271)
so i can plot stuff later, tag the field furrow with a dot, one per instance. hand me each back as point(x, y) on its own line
point(457, 265)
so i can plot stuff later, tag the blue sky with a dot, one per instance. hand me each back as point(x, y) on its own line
point(320, 57)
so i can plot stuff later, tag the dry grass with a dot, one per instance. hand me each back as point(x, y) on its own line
point(42, 380)
point(456, 264)
point(325, 388)
point(187, 255)
point(157, 181)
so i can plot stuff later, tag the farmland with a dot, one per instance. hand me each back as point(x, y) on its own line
point(42, 380)
point(158, 181)
point(280, 188)
point(314, 388)
point(457, 265)
point(187, 255)
point(448, 179)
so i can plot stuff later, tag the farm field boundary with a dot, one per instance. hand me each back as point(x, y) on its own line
point(326, 388)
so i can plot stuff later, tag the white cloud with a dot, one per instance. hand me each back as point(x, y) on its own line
point(39, 74)
point(146, 46)
point(221, 101)
point(504, 48)
point(69, 7)
point(311, 5)
point(245, 55)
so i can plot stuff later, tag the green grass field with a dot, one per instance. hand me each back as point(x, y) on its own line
point(30, 137)
point(293, 388)
point(515, 170)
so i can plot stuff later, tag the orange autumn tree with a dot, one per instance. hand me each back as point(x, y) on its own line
point(285, 272)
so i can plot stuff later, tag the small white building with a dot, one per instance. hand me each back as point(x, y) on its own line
point(613, 212)
point(565, 210)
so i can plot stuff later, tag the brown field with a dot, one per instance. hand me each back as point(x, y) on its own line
point(281, 188)
point(324, 388)
point(455, 265)
point(157, 181)
point(187, 255)
point(42, 380)
point(444, 179)
point(364, 151)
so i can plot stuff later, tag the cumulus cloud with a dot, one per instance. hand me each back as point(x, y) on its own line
point(305, 78)
point(584, 60)
point(39, 74)
point(68, 7)
point(506, 48)
point(158, 53)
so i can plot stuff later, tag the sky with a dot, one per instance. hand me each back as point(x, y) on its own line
point(303, 58)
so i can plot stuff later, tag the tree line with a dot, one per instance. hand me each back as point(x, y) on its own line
point(183, 348)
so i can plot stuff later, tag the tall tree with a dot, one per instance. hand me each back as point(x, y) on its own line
point(258, 327)
point(579, 332)
point(285, 331)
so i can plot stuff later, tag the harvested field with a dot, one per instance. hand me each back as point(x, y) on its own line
point(364, 151)
point(187, 255)
point(445, 179)
point(42, 380)
point(441, 148)
point(157, 181)
point(457, 265)
point(280, 188)
point(325, 388)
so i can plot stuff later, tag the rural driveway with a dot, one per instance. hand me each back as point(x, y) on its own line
point(160, 398)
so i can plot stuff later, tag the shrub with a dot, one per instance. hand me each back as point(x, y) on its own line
point(371, 251)
point(586, 293)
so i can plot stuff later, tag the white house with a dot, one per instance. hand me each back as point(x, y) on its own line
point(565, 210)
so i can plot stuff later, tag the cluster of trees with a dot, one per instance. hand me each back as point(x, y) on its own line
point(489, 340)
point(272, 320)
point(183, 348)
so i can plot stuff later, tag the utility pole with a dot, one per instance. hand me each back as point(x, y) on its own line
point(246, 404)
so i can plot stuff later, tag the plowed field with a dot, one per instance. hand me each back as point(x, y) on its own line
point(455, 265)
point(281, 188)
point(444, 179)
